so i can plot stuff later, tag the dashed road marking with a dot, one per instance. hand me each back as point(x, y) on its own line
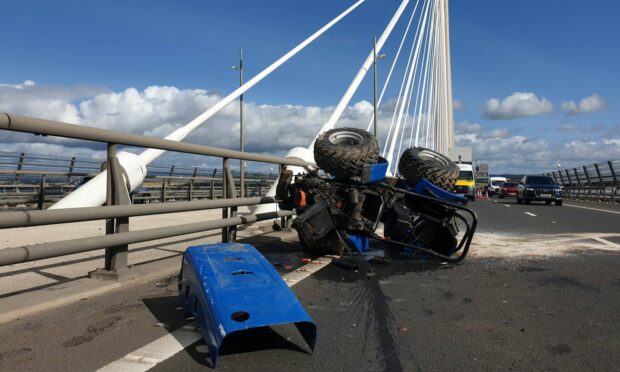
point(593, 209)
point(606, 242)
point(506, 205)
point(167, 346)
point(530, 214)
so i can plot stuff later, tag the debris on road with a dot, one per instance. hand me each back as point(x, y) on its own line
point(345, 263)
point(380, 260)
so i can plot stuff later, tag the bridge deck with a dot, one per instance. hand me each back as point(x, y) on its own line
point(520, 301)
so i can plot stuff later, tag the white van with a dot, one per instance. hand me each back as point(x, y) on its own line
point(495, 183)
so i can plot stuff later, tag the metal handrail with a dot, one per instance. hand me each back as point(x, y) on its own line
point(26, 124)
point(11, 256)
point(26, 218)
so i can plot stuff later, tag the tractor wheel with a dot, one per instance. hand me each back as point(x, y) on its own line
point(418, 162)
point(343, 152)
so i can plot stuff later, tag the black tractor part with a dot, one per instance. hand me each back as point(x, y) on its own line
point(419, 162)
point(343, 152)
point(317, 231)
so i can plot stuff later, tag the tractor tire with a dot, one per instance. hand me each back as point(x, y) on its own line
point(418, 162)
point(343, 152)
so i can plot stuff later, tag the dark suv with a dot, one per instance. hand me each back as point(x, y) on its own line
point(539, 188)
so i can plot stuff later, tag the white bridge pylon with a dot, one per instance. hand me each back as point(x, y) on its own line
point(93, 192)
point(427, 73)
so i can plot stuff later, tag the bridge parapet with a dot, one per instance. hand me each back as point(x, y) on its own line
point(595, 182)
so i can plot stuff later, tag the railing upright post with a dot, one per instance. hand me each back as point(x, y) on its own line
point(116, 194)
point(212, 196)
point(600, 179)
point(589, 189)
point(616, 185)
point(162, 195)
point(225, 196)
point(190, 190)
point(231, 192)
point(20, 165)
point(41, 203)
point(71, 168)
point(578, 181)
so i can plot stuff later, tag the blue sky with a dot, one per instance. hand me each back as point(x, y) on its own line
point(557, 50)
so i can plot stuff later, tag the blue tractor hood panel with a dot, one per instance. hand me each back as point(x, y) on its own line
point(231, 287)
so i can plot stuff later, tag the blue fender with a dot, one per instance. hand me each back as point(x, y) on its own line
point(231, 287)
point(425, 187)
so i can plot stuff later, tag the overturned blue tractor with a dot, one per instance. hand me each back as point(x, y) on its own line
point(345, 205)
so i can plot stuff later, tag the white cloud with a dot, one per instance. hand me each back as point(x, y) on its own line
point(457, 104)
point(519, 104)
point(521, 154)
point(569, 128)
point(158, 110)
point(467, 127)
point(593, 103)
point(495, 133)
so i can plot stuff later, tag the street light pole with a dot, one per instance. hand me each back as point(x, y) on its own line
point(374, 71)
point(241, 162)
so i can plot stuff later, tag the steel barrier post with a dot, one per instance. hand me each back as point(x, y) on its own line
point(589, 182)
point(20, 164)
point(225, 196)
point(162, 194)
point(602, 189)
point(213, 184)
point(613, 175)
point(232, 194)
point(41, 202)
point(578, 181)
point(71, 168)
point(117, 194)
point(190, 190)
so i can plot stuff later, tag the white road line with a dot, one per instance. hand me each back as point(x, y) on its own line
point(594, 209)
point(506, 205)
point(606, 242)
point(530, 214)
point(167, 346)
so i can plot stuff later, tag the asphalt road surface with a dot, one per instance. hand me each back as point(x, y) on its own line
point(546, 312)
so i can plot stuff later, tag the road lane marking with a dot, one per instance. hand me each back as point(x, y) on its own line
point(594, 209)
point(606, 242)
point(530, 214)
point(506, 205)
point(167, 346)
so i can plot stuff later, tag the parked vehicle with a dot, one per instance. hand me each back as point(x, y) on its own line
point(508, 189)
point(465, 184)
point(342, 211)
point(494, 185)
point(539, 188)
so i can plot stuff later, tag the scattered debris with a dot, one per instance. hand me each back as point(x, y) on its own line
point(380, 260)
point(345, 264)
point(403, 328)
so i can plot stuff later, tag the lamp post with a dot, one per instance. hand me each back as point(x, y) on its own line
point(374, 70)
point(241, 162)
